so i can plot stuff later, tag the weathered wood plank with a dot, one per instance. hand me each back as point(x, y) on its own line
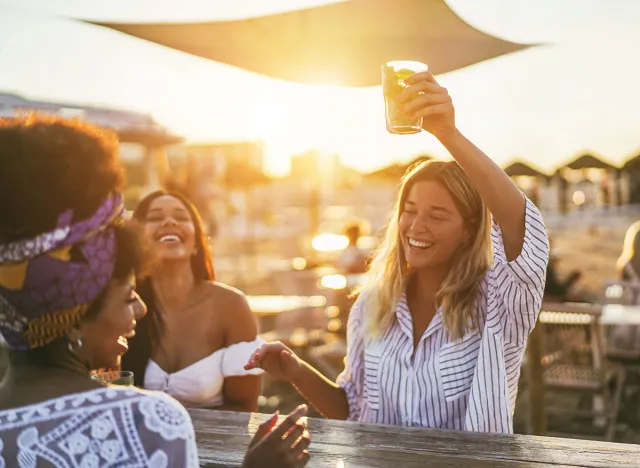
point(223, 437)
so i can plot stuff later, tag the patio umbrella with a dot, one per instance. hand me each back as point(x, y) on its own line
point(632, 164)
point(393, 172)
point(588, 161)
point(150, 138)
point(522, 169)
point(344, 43)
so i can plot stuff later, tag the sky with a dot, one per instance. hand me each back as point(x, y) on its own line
point(578, 92)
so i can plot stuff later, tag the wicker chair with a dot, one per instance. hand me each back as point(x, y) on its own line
point(573, 361)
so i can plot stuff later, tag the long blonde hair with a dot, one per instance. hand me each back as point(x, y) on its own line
point(630, 250)
point(388, 273)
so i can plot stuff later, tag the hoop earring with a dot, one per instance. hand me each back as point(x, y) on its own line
point(75, 347)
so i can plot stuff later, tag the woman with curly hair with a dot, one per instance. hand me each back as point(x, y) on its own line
point(68, 305)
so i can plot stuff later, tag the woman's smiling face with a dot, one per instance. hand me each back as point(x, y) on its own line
point(431, 227)
point(169, 228)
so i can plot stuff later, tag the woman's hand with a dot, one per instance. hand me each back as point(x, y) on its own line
point(276, 359)
point(424, 97)
point(283, 446)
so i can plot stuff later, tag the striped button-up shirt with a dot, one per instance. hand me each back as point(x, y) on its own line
point(466, 384)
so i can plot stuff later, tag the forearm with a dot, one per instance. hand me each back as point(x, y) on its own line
point(502, 197)
point(329, 399)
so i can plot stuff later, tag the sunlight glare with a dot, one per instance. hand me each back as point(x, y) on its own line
point(329, 242)
point(333, 282)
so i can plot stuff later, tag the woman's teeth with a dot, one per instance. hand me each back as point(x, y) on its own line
point(419, 244)
point(170, 238)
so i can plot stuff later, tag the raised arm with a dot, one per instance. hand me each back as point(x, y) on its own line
point(503, 198)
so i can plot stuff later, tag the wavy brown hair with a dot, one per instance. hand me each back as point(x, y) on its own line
point(150, 327)
point(389, 272)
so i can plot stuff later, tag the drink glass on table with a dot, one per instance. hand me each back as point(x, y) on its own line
point(123, 378)
point(393, 75)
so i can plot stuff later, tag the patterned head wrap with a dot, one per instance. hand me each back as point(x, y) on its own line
point(48, 282)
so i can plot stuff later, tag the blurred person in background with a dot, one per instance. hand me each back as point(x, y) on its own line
point(437, 335)
point(557, 289)
point(198, 333)
point(352, 260)
point(628, 264)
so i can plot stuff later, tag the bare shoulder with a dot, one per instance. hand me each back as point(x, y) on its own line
point(241, 324)
point(223, 293)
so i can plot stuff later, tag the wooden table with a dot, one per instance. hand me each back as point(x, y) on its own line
point(265, 306)
point(267, 309)
point(223, 438)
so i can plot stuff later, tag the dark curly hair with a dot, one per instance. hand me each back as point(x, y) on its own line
point(49, 165)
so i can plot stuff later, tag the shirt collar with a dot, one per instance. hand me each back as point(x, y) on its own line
point(405, 321)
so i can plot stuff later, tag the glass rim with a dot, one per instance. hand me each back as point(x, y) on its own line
point(408, 64)
point(112, 374)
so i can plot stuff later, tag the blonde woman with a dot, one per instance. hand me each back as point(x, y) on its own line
point(628, 265)
point(437, 336)
point(629, 262)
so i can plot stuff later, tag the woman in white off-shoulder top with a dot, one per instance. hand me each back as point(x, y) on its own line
point(198, 332)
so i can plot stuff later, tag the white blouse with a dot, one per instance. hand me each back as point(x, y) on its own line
point(467, 384)
point(201, 383)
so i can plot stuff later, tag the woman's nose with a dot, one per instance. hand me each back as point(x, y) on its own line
point(419, 225)
point(169, 222)
point(139, 308)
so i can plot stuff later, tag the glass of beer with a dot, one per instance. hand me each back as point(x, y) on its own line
point(123, 378)
point(393, 76)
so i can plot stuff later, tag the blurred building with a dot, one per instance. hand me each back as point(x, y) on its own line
point(314, 167)
point(220, 179)
point(220, 156)
point(143, 141)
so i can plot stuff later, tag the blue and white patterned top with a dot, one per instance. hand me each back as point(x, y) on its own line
point(468, 384)
point(115, 426)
